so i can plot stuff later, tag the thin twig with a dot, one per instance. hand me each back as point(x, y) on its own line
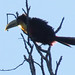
point(59, 26)
point(10, 14)
point(42, 66)
point(31, 49)
point(25, 43)
point(17, 14)
point(28, 9)
point(13, 68)
point(39, 51)
point(39, 48)
point(37, 64)
point(49, 48)
point(48, 60)
point(32, 66)
point(58, 64)
point(24, 11)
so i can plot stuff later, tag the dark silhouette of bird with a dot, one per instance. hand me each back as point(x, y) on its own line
point(39, 30)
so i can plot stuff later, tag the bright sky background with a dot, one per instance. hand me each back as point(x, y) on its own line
point(12, 48)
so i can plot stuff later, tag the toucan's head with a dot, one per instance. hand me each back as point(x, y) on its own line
point(20, 22)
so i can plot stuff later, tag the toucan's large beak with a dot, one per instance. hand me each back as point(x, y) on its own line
point(11, 24)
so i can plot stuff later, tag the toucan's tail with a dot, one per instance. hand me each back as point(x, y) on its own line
point(66, 40)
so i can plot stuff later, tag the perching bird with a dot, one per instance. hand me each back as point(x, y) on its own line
point(39, 31)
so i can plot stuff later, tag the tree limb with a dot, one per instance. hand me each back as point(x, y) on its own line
point(13, 68)
point(58, 64)
point(59, 26)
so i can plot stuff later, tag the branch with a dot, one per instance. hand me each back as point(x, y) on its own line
point(48, 60)
point(10, 14)
point(37, 48)
point(58, 64)
point(17, 14)
point(25, 43)
point(28, 9)
point(59, 26)
point(32, 67)
point(42, 66)
point(24, 11)
point(13, 68)
point(30, 58)
point(37, 64)
point(31, 64)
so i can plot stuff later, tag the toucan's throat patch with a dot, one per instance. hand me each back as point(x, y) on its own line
point(23, 27)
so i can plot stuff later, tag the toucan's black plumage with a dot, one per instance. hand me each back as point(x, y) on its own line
point(39, 31)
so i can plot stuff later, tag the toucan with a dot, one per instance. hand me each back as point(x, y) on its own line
point(39, 30)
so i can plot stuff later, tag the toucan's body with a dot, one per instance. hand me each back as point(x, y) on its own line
point(39, 31)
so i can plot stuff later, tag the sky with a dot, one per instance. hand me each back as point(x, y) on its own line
point(12, 48)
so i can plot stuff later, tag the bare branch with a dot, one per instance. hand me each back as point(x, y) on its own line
point(37, 64)
point(58, 64)
point(12, 15)
point(59, 26)
point(17, 14)
point(24, 11)
point(48, 60)
point(13, 68)
point(37, 48)
point(27, 8)
point(42, 66)
point(32, 67)
point(25, 43)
